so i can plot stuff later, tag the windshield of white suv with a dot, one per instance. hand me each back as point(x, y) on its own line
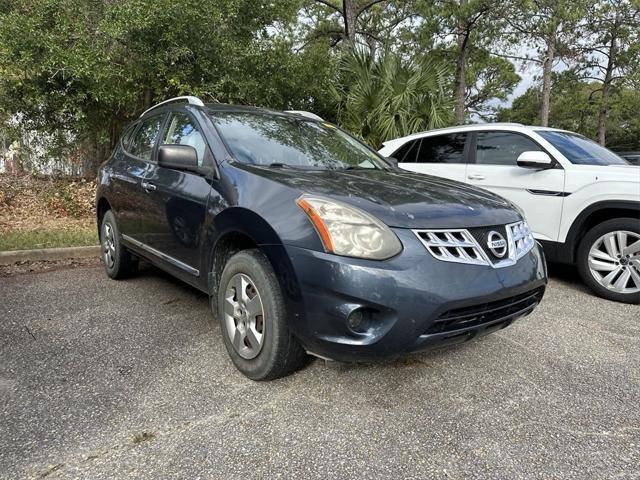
point(287, 141)
point(581, 150)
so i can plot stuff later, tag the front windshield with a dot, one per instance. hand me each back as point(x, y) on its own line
point(279, 140)
point(581, 150)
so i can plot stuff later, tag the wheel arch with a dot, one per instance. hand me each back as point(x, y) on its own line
point(102, 207)
point(592, 216)
point(237, 229)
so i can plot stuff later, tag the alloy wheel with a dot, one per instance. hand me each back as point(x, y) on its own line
point(108, 245)
point(244, 316)
point(614, 261)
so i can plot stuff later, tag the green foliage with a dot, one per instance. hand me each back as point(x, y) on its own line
point(575, 105)
point(388, 97)
point(74, 72)
point(489, 78)
point(82, 69)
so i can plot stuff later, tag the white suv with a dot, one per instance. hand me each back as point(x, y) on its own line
point(581, 200)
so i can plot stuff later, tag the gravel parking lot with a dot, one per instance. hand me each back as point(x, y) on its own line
point(104, 379)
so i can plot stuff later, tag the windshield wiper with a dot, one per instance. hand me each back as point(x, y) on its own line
point(279, 165)
point(354, 167)
point(294, 167)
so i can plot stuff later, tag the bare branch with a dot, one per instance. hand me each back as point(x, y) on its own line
point(367, 6)
point(330, 5)
point(516, 57)
point(370, 35)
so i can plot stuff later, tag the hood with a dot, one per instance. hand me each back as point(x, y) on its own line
point(399, 198)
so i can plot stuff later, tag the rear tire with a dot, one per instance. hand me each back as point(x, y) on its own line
point(253, 319)
point(609, 260)
point(118, 261)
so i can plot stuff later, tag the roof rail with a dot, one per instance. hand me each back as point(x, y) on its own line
point(304, 113)
point(188, 98)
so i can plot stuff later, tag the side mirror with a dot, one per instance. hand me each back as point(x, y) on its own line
point(178, 157)
point(392, 161)
point(536, 160)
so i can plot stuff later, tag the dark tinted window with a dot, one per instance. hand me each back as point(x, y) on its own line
point(267, 139)
point(407, 152)
point(502, 148)
point(181, 130)
point(126, 138)
point(581, 150)
point(145, 137)
point(442, 149)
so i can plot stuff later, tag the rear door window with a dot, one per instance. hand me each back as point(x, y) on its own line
point(442, 149)
point(126, 138)
point(145, 137)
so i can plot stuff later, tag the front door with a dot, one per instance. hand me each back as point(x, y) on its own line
point(539, 193)
point(176, 221)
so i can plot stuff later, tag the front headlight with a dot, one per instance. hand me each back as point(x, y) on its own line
point(348, 231)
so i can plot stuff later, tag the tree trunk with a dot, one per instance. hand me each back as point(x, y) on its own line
point(547, 67)
point(148, 98)
point(460, 85)
point(89, 164)
point(606, 89)
point(350, 15)
point(13, 160)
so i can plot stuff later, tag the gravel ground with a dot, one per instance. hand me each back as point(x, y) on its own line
point(104, 379)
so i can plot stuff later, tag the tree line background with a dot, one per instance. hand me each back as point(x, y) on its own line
point(73, 73)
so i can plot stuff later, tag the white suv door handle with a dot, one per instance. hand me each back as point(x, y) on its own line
point(475, 176)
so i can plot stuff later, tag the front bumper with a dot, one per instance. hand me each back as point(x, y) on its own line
point(411, 302)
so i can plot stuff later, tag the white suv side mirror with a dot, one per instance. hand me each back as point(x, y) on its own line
point(535, 159)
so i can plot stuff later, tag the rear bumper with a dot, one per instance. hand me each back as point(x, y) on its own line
point(410, 303)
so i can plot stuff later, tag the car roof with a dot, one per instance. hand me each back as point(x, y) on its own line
point(221, 107)
point(472, 127)
point(225, 107)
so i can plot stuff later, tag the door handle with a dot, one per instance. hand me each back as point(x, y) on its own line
point(475, 176)
point(148, 187)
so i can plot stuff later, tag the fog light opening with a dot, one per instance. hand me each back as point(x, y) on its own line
point(361, 320)
point(355, 320)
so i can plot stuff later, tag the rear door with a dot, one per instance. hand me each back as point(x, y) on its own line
point(440, 155)
point(539, 193)
point(128, 177)
point(179, 198)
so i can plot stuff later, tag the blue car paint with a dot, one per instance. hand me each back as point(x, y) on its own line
point(407, 292)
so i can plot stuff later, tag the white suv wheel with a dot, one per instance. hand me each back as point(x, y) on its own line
point(614, 261)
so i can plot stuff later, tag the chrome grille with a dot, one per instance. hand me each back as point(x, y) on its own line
point(452, 246)
point(522, 239)
point(461, 246)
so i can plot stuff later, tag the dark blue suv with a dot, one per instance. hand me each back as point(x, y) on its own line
point(307, 241)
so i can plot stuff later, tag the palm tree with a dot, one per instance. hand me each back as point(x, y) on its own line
point(387, 97)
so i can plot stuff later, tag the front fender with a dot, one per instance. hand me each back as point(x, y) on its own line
point(248, 223)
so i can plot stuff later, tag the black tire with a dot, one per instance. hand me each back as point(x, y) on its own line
point(121, 263)
point(591, 237)
point(280, 353)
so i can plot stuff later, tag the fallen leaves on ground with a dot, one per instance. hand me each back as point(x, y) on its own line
point(28, 203)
